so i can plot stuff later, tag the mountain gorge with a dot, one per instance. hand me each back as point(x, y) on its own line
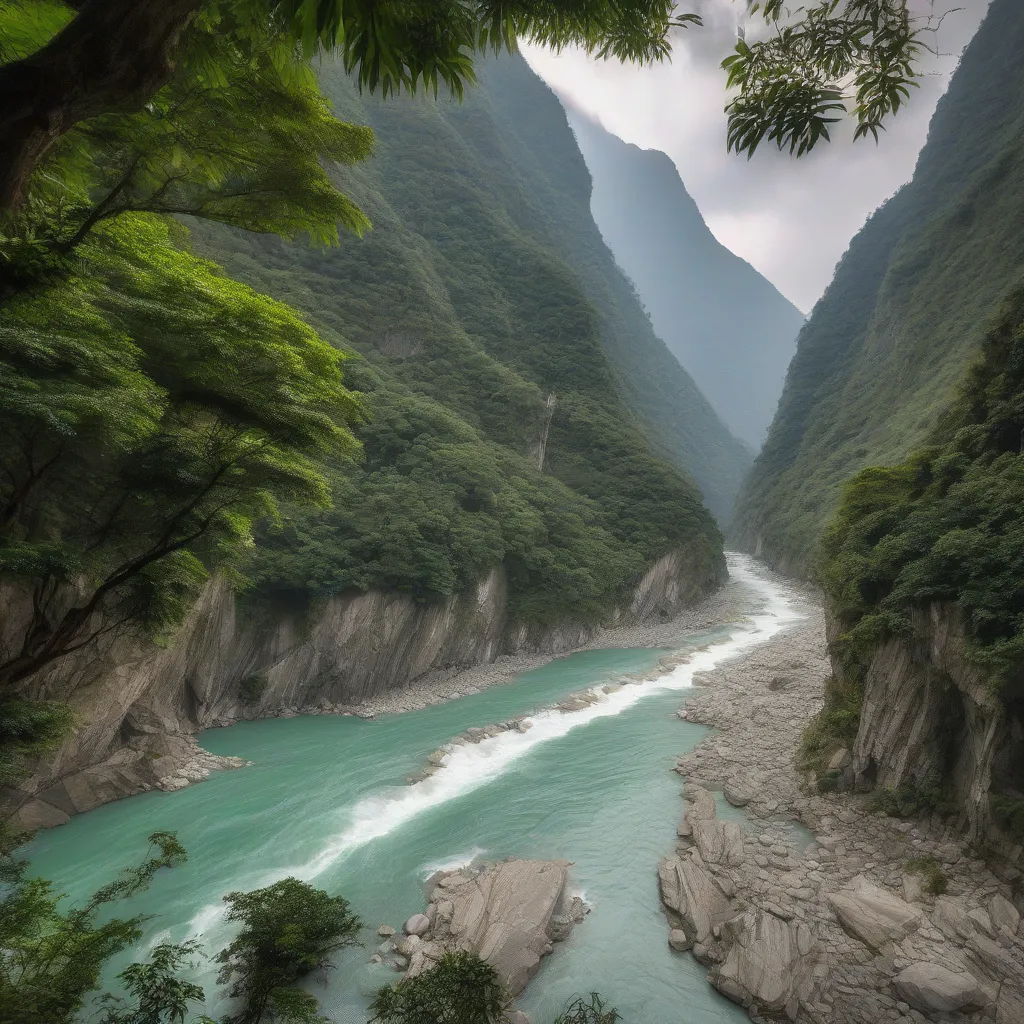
point(530, 457)
point(723, 321)
point(884, 348)
point(891, 475)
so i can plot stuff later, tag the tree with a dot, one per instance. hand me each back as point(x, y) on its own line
point(50, 959)
point(289, 930)
point(114, 55)
point(460, 989)
point(833, 58)
point(157, 992)
point(150, 412)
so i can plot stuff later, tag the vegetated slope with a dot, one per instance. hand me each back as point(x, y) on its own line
point(878, 360)
point(928, 557)
point(468, 320)
point(728, 326)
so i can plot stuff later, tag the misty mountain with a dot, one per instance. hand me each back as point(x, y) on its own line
point(729, 327)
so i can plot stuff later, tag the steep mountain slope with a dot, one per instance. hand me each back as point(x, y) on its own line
point(493, 365)
point(483, 237)
point(878, 360)
point(729, 327)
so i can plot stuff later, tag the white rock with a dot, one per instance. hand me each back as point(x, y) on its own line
point(418, 924)
point(928, 986)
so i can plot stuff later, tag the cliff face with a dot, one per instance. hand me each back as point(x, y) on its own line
point(884, 348)
point(931, 720)
point(730, 328)
point(136, 709)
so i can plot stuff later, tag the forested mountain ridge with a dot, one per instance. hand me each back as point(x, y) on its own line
point(726, 324)
point(880, 356)
point(482, 228)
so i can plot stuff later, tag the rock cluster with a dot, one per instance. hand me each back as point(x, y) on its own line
point(841, 931)
point(510, 914)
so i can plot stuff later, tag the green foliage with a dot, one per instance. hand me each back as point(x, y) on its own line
point(910, 799)
point(857, 57)
point(833, 728)
point(945, 526)
point(933, 876)
point(460, 989)
point(252, 688)
point(468, 315)
point(152, 411)
point(51, 958)
point(588, 1011)
point(1008, 813)
point(883, 352)
point(157, 994)
point(28, 728)
point(288, 930)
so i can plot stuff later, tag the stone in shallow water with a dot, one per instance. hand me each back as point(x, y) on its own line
point(737, 794)
point(928, 986)
point(418, 924)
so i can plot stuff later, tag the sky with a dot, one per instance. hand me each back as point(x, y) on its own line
point(792, 219)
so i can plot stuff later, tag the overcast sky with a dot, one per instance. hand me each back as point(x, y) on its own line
point(791, 219)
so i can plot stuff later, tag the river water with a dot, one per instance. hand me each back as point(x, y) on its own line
point(326, 801)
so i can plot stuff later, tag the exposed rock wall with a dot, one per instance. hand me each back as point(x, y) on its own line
point(137, 707)
point(931, 718)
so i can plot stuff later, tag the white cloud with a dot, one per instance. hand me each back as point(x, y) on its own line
point(791, 219)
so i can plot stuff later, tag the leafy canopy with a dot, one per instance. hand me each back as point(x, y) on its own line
point(819, 63)
point(288, 930)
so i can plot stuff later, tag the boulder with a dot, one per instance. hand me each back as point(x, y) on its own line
point(678, 940)
point(506, 913)
point(840, 760)
point(692, 896)
point(737, 795)
point(418, 924)
point(872, 914)
point(951, 919)
point(1004, 914)
point(929, 986)
point(764, 964)
point(385, 931)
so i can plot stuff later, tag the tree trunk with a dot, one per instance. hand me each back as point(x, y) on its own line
point(112, 56)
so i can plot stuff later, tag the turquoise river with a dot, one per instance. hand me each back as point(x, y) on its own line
point(326, 801)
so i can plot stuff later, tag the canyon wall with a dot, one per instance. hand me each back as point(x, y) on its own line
point(137, 708)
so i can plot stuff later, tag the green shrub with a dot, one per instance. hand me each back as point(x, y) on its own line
point(252, 688)
point(833, 728)
point(1008, 812)
point(911, 799)
point(932, 875)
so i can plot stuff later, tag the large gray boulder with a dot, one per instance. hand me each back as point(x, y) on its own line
point(692, 896)
point(764, 964)
point(872, 914)
point(418, 924)
point(508, 914)
point(928, 986)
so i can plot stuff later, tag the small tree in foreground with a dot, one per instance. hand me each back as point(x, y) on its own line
point(592, 1011)
point(461, 989)
point(289, 930)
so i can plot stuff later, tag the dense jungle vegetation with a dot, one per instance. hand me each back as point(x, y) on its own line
point(945, 525)
point(884, 348)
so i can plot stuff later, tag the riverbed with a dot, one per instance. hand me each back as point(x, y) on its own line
point(326, 800)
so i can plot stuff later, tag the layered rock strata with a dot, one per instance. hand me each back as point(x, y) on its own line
point(817, 911)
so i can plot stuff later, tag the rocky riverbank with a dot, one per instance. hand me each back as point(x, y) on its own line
point(854, 927)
